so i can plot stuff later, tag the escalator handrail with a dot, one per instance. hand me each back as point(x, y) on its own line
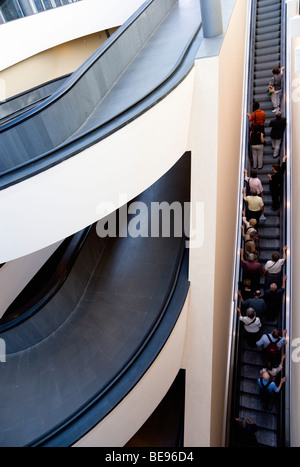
point(17, 112)
point(82, 70)
point(234, 328)
point(287, 315)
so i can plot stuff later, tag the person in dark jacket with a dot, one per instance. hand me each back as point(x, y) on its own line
point(273, 298)
point(277, 125)
point(276, 183)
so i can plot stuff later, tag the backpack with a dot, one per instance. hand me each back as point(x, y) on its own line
point(255, 137)
point(272, 349)
point(264, 387)
point(265, 395)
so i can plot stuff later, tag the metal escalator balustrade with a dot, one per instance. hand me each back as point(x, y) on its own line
point(101, 91)
point(267, 52)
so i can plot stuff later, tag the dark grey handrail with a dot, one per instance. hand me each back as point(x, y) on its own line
point(287, 318)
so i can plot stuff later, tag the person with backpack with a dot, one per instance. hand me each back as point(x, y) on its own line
point(257, 140)
point(253, 183)
point(271, 344)
point(266, 389)
point(257, 118)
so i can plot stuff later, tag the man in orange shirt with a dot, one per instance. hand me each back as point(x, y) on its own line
point(258, 117)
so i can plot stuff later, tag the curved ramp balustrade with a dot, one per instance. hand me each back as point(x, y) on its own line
point(122, 79)
point(70, 363)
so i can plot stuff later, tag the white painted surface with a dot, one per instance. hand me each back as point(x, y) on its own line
point(15, 275)
point(215, 145)
point(25, 37)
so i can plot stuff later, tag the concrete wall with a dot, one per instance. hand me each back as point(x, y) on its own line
point(215, 144)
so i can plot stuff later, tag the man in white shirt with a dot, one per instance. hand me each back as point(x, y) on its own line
point(252, 325)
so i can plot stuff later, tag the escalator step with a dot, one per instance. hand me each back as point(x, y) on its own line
point(267, 245)
point(267, 438)
point(275, 27)
point(251, 401)
point(261, 9)
point(266, 421)
point(249, 386)
point(251, 372)
point(267, 232)
point(265, 58)
point(254, 357)
point(268, 37)
point(267, 44)
point(268, 16)
point(263, 22)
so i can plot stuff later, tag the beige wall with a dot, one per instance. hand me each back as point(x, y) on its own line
point(215, 144)
point(295, 366)
point(231, 70)
point(50, 64)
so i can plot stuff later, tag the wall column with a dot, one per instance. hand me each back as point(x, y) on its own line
point(211, 12)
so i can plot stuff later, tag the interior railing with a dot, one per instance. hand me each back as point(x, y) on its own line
point(287, 144)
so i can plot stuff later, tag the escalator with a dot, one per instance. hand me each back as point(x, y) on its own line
point(71, 363)
point(99, 98)
point(267, 52)
point(17, 105)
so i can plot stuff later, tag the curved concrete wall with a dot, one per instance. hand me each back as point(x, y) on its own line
point(53, 27)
